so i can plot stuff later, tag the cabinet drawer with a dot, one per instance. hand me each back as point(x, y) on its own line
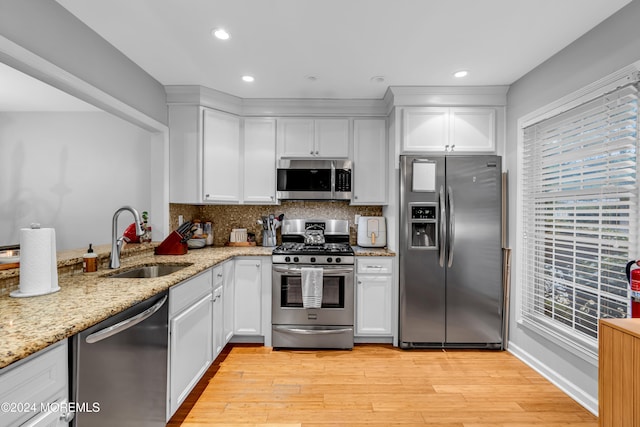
point(35, 380)
point(218, 276)
point(374, 265)
point(186, 293)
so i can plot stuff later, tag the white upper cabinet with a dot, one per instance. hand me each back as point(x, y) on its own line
point(313, 138)
point(472, 129)
point(259, 161)
point(213, 161)
point(425, 128)
point(370, 178)
point(449, 129)
point(332, 138)
point(221, 157)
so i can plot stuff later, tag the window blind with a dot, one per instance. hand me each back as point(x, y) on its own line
point(580, 216)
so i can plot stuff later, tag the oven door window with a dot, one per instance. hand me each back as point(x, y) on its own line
point(332, 292)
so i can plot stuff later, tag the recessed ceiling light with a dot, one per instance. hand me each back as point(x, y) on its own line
point(248, 79)
point(220, 33)
point(460, 74)
point(377, 79)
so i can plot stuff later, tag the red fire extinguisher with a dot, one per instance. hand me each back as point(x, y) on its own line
point(633, 277)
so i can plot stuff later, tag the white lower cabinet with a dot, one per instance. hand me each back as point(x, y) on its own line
point(218, 321)
point(248, 297)
point(374, 296)
point(34, 391)
point(228, 298)
point(190, 340)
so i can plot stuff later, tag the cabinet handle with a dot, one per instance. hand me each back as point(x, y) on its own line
point(359, 282)
point(311, 152)
point(206, 196)
point(258, 265)
point(446, 147)
point(219, 274)
point(317, 152)
point(355, 197)
point(453, 146)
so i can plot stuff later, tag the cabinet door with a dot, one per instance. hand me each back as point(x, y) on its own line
point(247, 298)
point(218, 321)
point(425, 129)
point(42, 377)
point(185, 154)
point(228, 310)
point(259, 161)
point(190, 349)
point(295, 138)
point(369, 162)
point(472, 129)
point(221, 157)
point(331, 138)
point(373, 305)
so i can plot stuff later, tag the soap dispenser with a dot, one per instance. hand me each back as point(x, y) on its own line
point(90, 261)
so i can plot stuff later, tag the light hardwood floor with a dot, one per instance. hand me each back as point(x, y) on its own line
point(376, 385)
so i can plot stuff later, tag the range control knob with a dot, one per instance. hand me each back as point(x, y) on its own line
point(287, 259)
point(329, 259)
point(338, 260)
point(312, 259)
point(296, 259)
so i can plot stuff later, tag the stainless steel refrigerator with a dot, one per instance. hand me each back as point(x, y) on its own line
point(451, 291)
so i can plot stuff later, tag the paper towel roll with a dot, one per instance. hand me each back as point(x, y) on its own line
point(38, 263)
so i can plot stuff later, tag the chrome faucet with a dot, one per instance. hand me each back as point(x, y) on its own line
point(117, 242)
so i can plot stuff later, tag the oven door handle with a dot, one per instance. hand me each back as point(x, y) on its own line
point(327, 271)
point(315, 331)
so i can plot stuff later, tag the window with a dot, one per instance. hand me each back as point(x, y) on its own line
point(579, 216)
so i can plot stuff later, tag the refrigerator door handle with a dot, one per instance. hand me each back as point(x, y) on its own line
point(452, 227)
point(443, 227)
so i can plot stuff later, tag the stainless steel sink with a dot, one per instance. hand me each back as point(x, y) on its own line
point(148, 271)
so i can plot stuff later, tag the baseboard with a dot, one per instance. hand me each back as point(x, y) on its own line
point(589, 402)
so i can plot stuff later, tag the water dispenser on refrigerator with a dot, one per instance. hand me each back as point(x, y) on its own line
point(424, 230)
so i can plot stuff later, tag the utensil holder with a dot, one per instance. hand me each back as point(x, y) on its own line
point(268, 238)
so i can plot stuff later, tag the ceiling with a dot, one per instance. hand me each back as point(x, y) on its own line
point(342, 43)
point(331, 49)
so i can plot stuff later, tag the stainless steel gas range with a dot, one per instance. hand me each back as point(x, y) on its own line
point(321, 248)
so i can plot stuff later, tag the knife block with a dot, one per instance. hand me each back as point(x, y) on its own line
point(172, 245)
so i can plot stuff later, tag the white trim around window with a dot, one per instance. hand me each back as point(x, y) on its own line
point(539, 320)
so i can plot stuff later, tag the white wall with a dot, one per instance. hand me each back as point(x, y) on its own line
point(71, 171)
point(609, 47)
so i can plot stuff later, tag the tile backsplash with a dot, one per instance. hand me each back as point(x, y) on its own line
point(226, 217)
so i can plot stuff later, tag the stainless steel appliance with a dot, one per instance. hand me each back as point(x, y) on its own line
point(451, 291)
point(121, 365)
point(314, 179)
point(310, 244)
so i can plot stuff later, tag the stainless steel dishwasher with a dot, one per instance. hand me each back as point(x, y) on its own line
point(120, 368)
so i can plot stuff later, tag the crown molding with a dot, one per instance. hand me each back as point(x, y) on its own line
point(394, 96)
point(436, 96)
point(261, 107)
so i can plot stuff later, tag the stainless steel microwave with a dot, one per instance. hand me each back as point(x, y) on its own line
point(314, 179)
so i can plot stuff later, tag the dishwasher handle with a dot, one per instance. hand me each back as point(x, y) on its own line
point(125, 324)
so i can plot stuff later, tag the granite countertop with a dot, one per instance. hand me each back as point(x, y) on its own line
point(28, 325)
point(360, 251)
